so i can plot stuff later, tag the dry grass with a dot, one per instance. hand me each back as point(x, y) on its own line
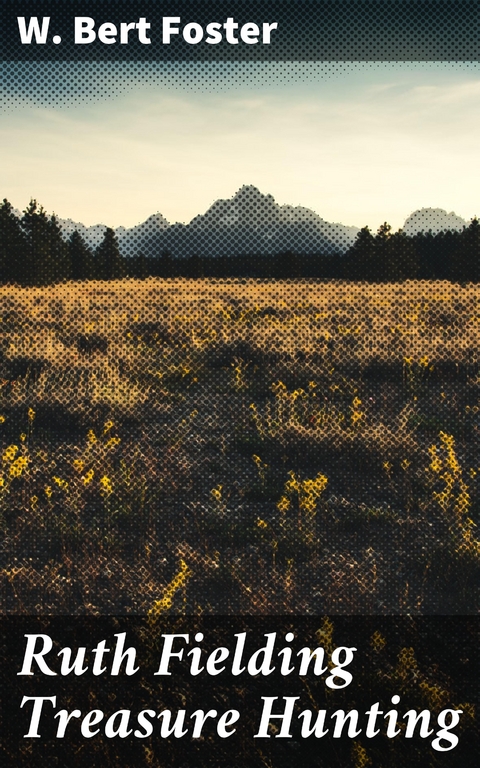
point(424, 316)
point(159, 422)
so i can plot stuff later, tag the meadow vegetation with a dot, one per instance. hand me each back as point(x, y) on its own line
point(239, 446)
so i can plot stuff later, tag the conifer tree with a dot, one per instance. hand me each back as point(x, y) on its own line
point(360, 262)
point(466, 258)
point(35, 225)
point(12, 245)
point(138, 266)
point(58, 266)
point(396, 255)
point(81, 258)
point(46, 253)
point(110, 264)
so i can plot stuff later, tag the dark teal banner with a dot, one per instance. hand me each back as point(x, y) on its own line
point(240, 31)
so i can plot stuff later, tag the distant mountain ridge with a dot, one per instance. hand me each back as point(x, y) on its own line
point(434, 220)
point(249, 223)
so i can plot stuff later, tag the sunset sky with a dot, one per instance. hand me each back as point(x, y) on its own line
point(360, 146)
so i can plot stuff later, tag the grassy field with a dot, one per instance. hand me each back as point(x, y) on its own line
point(239, 446)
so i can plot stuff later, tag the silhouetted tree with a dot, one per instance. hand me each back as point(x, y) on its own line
point(360, 261)
point(37, 233)
point(397, 258)
point(465, 266)
point(436, 254)
point(12, 246)
point(33, 251)
point(138, 266)
point(58, 266)
point(110, 265)
point(82, 264)
point(166, 265)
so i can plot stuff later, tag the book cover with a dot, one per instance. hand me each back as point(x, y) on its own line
point(239, 383)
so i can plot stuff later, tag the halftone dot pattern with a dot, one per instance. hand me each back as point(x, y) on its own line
point(233, 445)
point(248, 223)
point(72, 84)
point(239, 446)
point(429, 664)
point(319, 30)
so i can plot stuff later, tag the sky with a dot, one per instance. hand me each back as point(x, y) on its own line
point(359, 145)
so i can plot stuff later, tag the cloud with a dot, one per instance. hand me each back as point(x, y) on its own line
point(357, 151)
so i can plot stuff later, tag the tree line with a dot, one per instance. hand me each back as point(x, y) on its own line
point(33, 251)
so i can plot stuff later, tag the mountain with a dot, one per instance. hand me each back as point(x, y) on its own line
point(93, 235)
point(137, 238)
point(251, 222)
point(433, 220)
point(247, 223)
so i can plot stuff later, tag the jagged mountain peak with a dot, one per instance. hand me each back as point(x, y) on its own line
point(250, 207)
point(249, 222)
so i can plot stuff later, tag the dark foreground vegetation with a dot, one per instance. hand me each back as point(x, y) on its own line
point(175, 446)
point(33, 251)
point(428, 662)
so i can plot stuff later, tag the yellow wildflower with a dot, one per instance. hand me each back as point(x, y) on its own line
point(261, 466)
point(18, 466)
point(312, 490)
point(360, 756)
point(106, 485)
point(87, 479)
point(377, 641)
point(165, 603)
point(436, 462)
point(91, 437)
point(283, 505)
point(10, 453)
